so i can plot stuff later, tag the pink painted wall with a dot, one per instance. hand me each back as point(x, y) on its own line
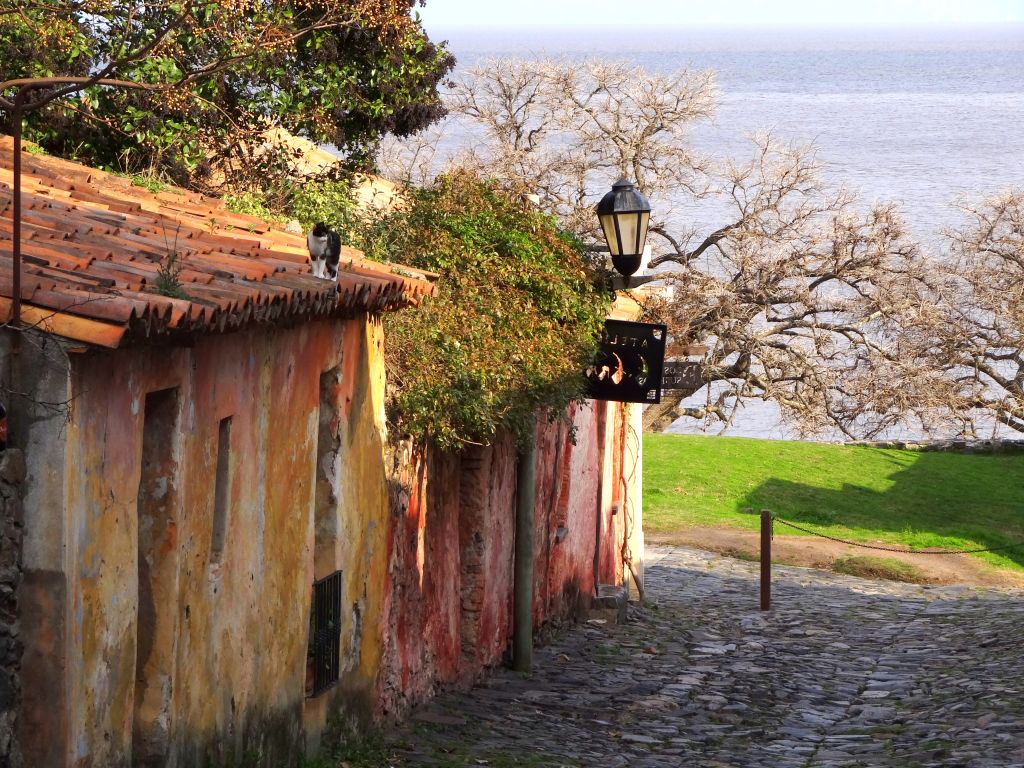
point(421, 610)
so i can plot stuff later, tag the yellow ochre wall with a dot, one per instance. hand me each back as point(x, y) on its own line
point(230, 638)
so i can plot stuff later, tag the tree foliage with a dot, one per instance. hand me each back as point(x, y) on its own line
point(342, 72)
point(513, 326)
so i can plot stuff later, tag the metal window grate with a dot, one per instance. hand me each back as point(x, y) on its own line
point(322, 659)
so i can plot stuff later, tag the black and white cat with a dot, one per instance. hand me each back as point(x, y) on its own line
point(324, 251)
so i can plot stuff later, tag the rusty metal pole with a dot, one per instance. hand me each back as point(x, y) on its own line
point(766, 559)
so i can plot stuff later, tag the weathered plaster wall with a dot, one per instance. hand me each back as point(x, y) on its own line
point(422, 612)
point(632, 506)
point(564, 530)
point(38, 418)
point(588, 517)
point(152, 634)
point(609, 522)
point(486, 543)
point(451, 542)
point(359, 544)
point(221, 670)
point(453, 533)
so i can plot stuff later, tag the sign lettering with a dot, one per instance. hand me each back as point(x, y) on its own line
point(683, 376)
point(628, 365)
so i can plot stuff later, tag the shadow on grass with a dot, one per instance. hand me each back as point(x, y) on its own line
point(942, 500)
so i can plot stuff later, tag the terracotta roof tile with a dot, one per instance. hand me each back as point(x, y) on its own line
point(93, 243)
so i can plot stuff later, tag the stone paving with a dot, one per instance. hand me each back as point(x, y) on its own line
point(841, 672)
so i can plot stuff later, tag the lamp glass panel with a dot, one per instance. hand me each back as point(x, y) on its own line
point(628, 230)
point(645, 220)
point(608, 225)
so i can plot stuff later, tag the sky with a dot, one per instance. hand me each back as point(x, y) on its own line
point(475, 13)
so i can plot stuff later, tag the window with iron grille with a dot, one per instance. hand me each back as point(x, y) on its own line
point(322, 659)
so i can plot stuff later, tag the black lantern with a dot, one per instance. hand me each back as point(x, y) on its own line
point(625, 215)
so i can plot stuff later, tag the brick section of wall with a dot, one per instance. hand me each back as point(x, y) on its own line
point(12, 474)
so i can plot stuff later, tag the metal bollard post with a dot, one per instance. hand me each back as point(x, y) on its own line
point(766, 559)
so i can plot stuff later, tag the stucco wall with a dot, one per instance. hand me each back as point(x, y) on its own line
point(422, 611)
point(148, 632)
point(221, 669)
point(453, 535)
point(12, 475)
point(38, 415)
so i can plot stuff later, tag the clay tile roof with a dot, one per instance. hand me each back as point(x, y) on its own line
point(92, 244)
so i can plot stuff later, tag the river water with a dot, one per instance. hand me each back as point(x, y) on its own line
point(923, 116)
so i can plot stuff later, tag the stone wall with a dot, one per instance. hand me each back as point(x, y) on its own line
point(12, 473)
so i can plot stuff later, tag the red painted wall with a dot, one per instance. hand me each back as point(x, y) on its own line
point(451, 541)
point(421, 611)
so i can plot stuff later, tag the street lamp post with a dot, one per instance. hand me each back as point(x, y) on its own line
point(625, 215)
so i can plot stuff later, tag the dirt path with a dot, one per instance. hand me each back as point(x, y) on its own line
point(814, 552)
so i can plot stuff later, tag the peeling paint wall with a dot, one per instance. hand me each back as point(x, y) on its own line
point(179, 513)
point(12, 475)
point(203, 636)
point(453, 534)
point(423, 610)
point(37, 426)
point(632, 504)
point(567, 516)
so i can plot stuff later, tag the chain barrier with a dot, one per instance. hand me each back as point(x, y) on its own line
point(901, 550)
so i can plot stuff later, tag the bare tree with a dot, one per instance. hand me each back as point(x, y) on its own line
point(976, 338)
point(799, 296)
point(811, 317)
point(562, 130)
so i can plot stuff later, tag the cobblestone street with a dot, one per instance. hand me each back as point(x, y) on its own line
point(841, 672)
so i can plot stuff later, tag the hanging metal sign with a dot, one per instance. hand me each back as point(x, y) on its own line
point(628, 365)
point(682, 376)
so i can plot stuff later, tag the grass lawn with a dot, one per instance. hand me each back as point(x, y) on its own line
point(946, 500)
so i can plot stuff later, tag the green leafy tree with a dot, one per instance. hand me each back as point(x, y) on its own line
point(342, 72)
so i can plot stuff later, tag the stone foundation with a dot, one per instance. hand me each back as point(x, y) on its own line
point(12, 474)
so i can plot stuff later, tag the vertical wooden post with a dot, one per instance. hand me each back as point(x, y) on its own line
point(766, 559)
